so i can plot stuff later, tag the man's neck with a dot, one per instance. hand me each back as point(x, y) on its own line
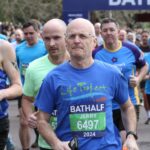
point(98, 34)
point(58, 59)
point(114, 46)
point(144, 45)
point(81, 64)
point(35, 42)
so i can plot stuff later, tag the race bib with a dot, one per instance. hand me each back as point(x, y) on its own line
point(53, 120)
point(88, 120)
point(23, 69)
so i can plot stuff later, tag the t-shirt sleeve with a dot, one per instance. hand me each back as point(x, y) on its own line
point(121, 89)
point(45, 98)
point(147, 59)
point(28, 88)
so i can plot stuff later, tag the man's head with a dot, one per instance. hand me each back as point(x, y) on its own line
point(131, 37)
point(97, 27)
point(19, 36)
point(109, 31)
point(31, 32)
point(53, 35)
point(122, 35)
point(144, 38)
point(80, 38)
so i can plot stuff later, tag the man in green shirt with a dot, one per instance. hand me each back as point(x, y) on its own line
point(54, 38)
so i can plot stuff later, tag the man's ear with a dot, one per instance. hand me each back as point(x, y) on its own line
point(95, 42)
point(42, 35)
point(66, 43)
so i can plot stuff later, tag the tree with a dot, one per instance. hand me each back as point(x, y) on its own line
point(22, 10)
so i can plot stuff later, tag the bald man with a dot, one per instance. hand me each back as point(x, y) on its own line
point(82, 91)
point(54, 38)
point(19, 36)
point(122, 35)
point(99, 38)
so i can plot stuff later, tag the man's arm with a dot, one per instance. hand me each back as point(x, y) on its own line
point(47, 132)
point(27, 109)
point(9, 66)
point(135, 80)
point(130, 123)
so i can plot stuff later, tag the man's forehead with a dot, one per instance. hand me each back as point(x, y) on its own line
point(52, 28)
point(29, 29)
point(78, 29)
point(108, 24)
point(53, 32)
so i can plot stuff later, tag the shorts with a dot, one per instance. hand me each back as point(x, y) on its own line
point(117, 118)
point(4, 130)
point(19, 101)
point(142, 84)
point(148, 99)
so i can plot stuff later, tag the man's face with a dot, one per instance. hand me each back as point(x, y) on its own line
point(144, 37)
point(19, 36)
point(97, 29)
point(80, 41)
point(109, 33)
point(54, 40)
point(122, 35)
point(30, 35)
point(131, 38)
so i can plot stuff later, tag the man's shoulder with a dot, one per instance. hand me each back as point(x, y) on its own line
point(61, 70)
point(97, 50)
point(21, 45)
point(4, 43)
point(6, 50)
point(62, 67)
point(38, 62)
point(103, 66)
point(130, 46)
point(40, 42)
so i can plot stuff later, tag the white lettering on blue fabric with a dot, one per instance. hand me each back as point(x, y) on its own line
point(125, 2)
point(87, 108)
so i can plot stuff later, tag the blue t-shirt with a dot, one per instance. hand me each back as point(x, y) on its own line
point(127, 58)
point(26, 54)
point(147, 83)
point(4, 37)
point(3, 103)
point(83, 99)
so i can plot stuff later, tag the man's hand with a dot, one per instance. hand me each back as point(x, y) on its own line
point(61, 146)
point(32, 120)
point(131, 143)
point(134, 81)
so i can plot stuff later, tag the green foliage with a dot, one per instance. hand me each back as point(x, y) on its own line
point(19, 11)
point(22, 10)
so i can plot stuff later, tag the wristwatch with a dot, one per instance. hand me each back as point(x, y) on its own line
point(133, 133)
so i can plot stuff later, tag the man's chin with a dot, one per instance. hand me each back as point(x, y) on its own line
point(54, 54)
point(31, 43)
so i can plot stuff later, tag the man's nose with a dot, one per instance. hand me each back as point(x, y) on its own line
point(52, 42)
point(77, 38)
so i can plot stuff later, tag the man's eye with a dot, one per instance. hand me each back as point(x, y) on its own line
point(82, 36)
point(47, 39)
point(112, 30)
point(56, 37)
point(72, 36)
